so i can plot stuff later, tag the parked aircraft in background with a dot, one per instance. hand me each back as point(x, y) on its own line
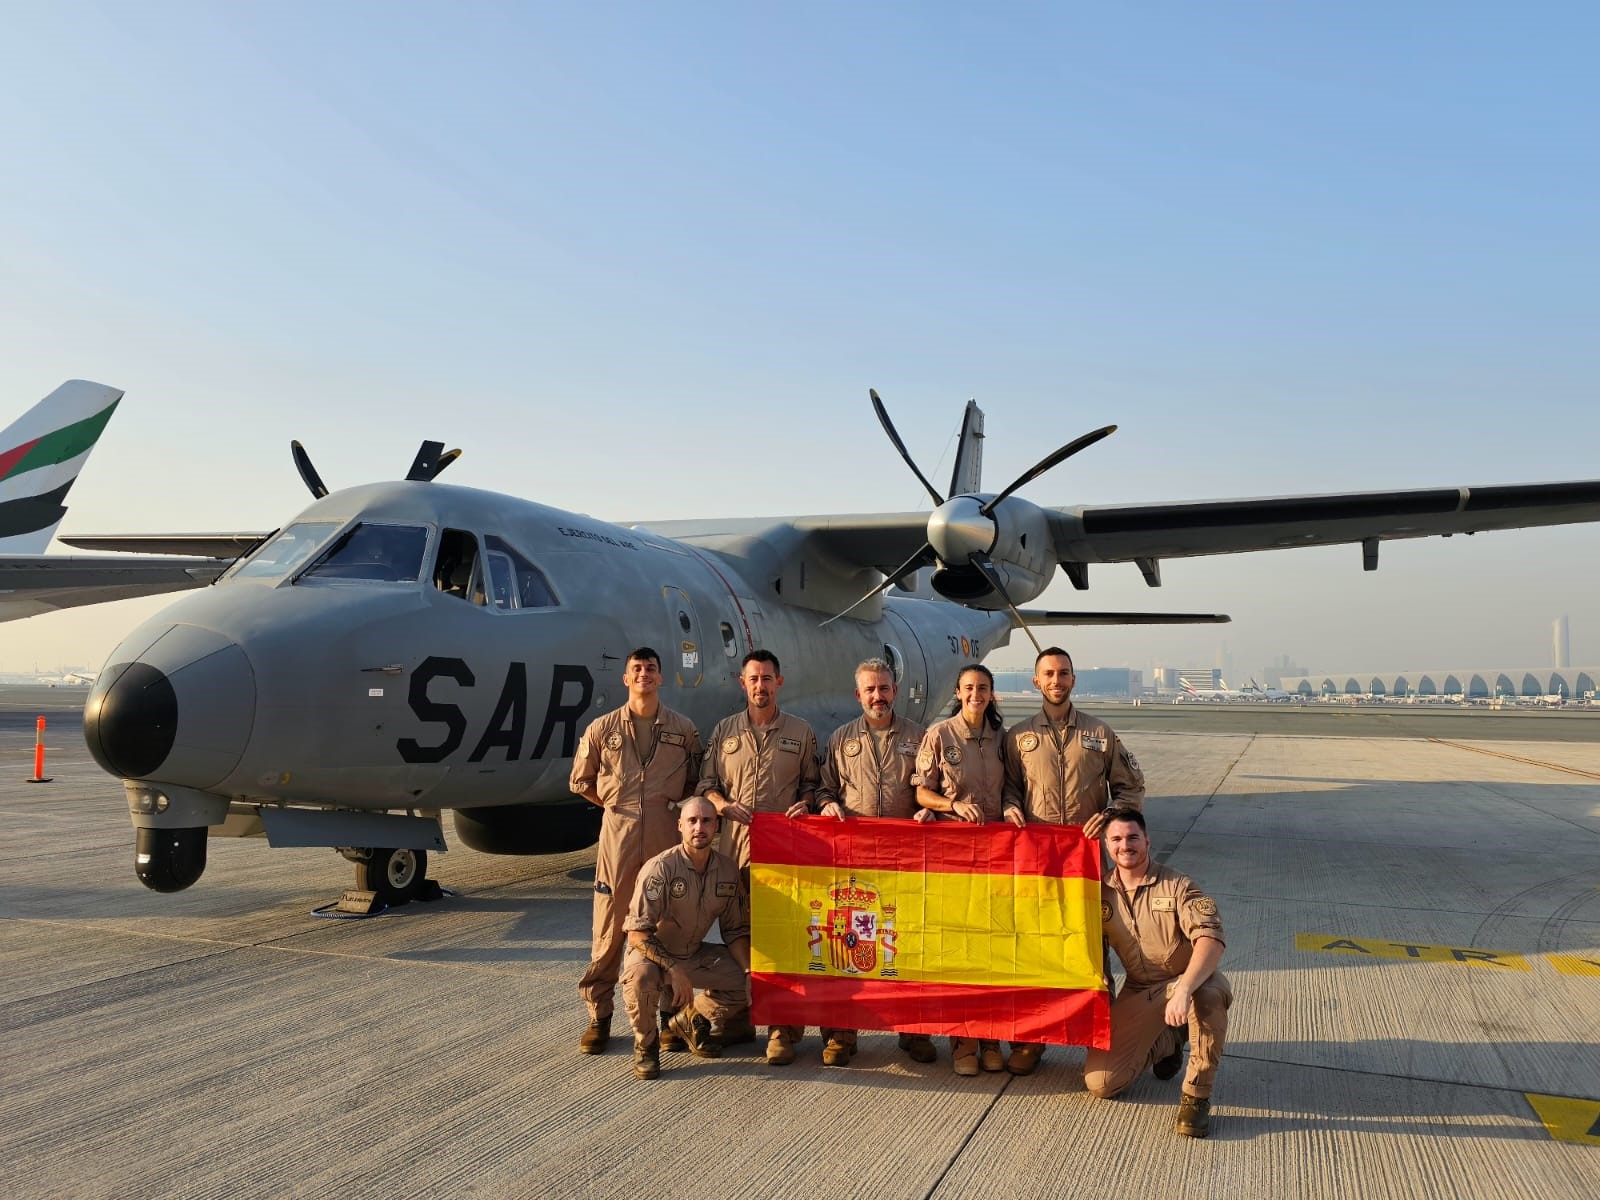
point(399, 649)
point(1190, 692)
point(41, 454)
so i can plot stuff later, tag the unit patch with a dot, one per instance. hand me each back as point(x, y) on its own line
point(652, 887)
point(852, 747)
point(1105, 912)
point(1133, 763)
point(613, 741)
point(679, 889)
point(952, 755)
point(1205, 906)
point(925, 761)
point(1028, 741)
point(730, 744)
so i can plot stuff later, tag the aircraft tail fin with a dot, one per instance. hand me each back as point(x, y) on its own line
point(41, 453)
point(1188, 687)
point(967, 477)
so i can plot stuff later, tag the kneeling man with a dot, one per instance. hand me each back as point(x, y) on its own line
point(681, 893)
point(1168, 936)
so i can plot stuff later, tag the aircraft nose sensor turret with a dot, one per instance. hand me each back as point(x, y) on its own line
point(171, 715)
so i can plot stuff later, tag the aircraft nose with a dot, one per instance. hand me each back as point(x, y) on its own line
point(180, 709)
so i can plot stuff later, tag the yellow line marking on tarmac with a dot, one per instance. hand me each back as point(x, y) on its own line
point(1571, 964)
point(1568, 1120)
point(1532, 762)
point(1468, 956)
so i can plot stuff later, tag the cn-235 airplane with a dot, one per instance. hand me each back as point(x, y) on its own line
point(401, 649)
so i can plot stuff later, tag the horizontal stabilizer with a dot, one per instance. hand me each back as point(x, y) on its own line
point(1040, 616)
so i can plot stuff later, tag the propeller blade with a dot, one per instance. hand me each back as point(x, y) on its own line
point(308, 473)
point(986, 567)
point(445, 459)
point(425, 465)
point(913, 561)
point(1039, 616)
point(1044, 464)
point(894, 436)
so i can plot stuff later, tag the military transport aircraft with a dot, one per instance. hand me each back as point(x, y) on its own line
point(399, 649)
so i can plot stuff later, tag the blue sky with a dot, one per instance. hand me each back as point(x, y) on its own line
point(645, 261)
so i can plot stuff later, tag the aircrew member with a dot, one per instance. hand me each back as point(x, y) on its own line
point(636, 763)
point(760, 760)
point(961, 776)
point(681, 893)
point(867, 772)
point(1061, 767)
point(1168, 935)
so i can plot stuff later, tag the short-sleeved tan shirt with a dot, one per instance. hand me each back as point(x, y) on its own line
point(766, 769)
point(955, 760)
point(1064, 775)
point(679, 904)
point(626, 782)
point(865, 782)
point(1153, 930)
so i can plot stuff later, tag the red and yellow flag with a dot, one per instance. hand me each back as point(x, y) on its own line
point(985, 931)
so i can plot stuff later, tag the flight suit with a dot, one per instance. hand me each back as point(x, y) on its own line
point(765, 768)
point(1063, 775)
point(1153, 931)
point(679, 905)
point(865, 783)
point(960, 762)
point(641, 788)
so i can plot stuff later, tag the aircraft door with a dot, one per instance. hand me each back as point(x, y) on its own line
point(904, 654)
point(685, 655)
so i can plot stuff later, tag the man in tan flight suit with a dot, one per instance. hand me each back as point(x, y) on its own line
point(1063, 767)
point(1168, 935)
point(759, 760)
point(681, 893)
point(637, 763)
point(867, 772)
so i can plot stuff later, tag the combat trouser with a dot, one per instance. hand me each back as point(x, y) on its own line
point(626, 844)
point(725, 994)
point(1140, 1035)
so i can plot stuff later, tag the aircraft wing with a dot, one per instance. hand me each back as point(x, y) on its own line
point(1191, 529)
point(37, 583)
point(200, 545)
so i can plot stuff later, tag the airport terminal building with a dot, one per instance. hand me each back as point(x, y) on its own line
point(1475, 683)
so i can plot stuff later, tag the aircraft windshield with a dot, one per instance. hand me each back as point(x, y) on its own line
point(382, 553)
point(514, 582)
point(285, 552)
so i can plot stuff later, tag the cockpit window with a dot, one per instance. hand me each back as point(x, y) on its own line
point(382, 553)
point(514, 582)
point(457, 571)
point(285, 552)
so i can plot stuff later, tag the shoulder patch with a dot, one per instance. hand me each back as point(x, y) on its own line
point(952, 755)
point(1157, 903)
point(671, 739)
point(652, 887)
point(727, 889)
point(730, 744)
point(613, 741)
point(1028, 741)
point(680, 888)
point(1205, 906)
point(1105, 912)
point(925, 760)
point(1127, 757)
point(852, 747)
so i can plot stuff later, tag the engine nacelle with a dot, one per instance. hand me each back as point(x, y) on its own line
point(1015, 537)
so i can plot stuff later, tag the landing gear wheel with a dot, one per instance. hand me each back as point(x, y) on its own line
point(395, 875)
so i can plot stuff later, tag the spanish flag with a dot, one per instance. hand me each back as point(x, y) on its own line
point(984, 931)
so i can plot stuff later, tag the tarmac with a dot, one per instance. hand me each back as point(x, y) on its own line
point(1413, 938)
